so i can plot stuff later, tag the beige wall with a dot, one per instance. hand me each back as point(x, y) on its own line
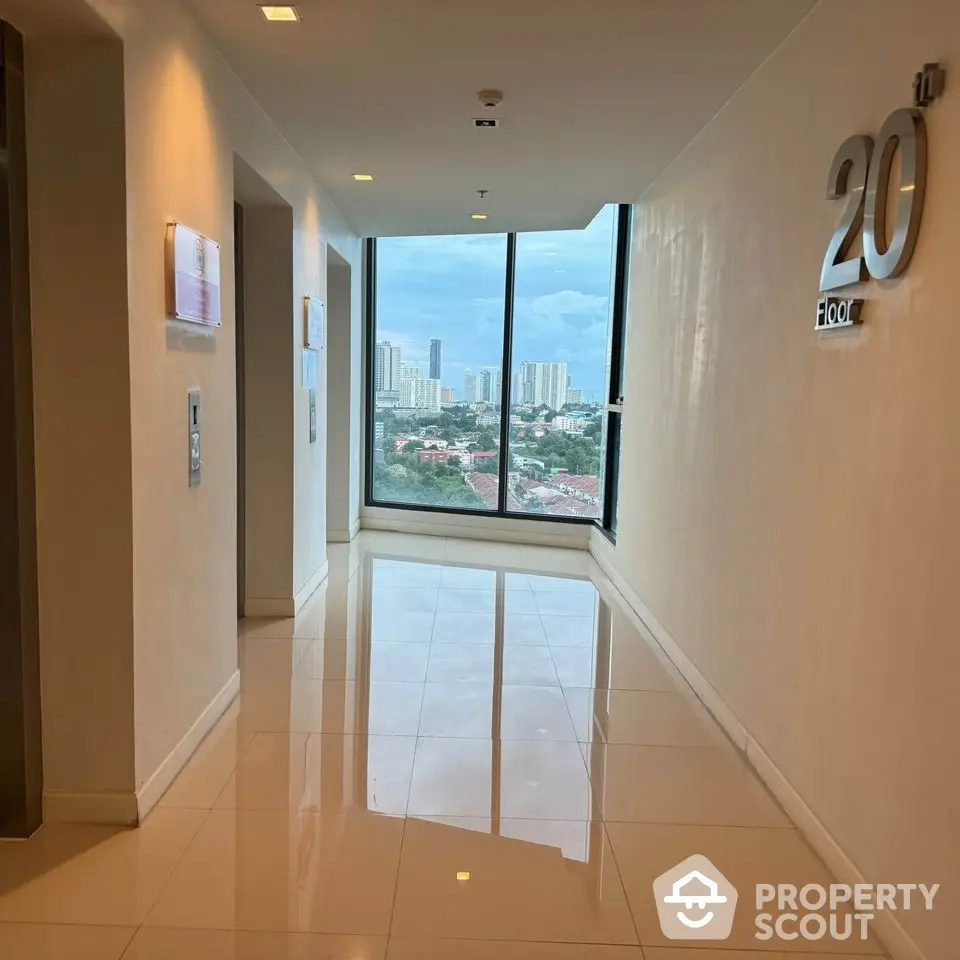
point(268, 294)
point(309, 479)
point(344, 402)
point(82, 412)
point(790, 505)
point(138, 571)
point(186, 114)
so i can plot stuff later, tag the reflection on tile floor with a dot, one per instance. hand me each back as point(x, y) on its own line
point(458, 749)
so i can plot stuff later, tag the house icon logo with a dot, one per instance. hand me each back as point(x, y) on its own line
point(695, 901)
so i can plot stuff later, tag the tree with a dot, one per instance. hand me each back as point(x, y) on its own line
point(427, 484)
point(412, 446)
point(576, 461)
point(558, 451)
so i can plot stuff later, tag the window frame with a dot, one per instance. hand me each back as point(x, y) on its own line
point(617, 373)
point(617, 330)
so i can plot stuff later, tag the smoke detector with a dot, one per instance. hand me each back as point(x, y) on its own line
point(490, 98)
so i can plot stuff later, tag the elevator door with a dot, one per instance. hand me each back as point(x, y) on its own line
point(20, 746)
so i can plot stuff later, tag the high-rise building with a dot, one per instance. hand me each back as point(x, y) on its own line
point(544, 383)
point(429, 394)
point(385, 399)
point(574, 396)
point(567, 424)
point(411, 371)
point(469, 386)
point(488, 385)
point(447, 395)
point(386, 373)
point(420, 394)
point(435, 350)
point(516, 390)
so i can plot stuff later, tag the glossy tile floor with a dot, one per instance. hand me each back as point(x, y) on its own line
point(459, 750)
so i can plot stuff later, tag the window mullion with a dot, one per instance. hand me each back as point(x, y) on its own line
point(506, 371)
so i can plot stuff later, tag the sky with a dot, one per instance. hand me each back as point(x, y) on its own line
point(452, 288)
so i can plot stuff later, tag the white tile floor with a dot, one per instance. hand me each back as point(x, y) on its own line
point(441, 706)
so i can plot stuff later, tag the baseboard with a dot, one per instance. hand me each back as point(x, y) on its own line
point(522, 532)
point(310, 587)
point(896, 941)
point(344, 536)
point(159, 782)
point(109, 808)
point(285, 606)
point(702, 687)
point(269, 607)
point(887, 927)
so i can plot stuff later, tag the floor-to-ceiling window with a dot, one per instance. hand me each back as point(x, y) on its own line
point(435, 372)
point(490, 365)
point(561, 335)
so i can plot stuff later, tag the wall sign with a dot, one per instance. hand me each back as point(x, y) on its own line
point(863, 172)
point(837, 312)
point(312, 323)
point(193, 276)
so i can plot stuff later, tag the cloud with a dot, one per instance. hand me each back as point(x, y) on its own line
point(572, 303)
point(452, 288)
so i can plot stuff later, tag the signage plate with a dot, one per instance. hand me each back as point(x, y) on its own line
point(193, 276)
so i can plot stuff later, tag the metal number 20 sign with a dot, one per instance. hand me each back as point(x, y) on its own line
point(868, 184)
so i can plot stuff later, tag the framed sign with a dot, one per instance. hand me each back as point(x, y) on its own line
point(193, 276)
point(312, 323)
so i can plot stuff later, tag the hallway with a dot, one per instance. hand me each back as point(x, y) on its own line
point(461, 749)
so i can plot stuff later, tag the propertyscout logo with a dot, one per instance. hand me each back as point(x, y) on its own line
point(695, 901)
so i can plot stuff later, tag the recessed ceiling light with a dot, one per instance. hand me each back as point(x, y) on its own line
point(363, 176)
point(280, 14)
point(478, 216)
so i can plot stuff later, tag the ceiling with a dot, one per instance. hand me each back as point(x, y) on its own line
point(599, 97)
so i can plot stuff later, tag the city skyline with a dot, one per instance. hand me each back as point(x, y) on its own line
point(534, 383)
point(450, 289)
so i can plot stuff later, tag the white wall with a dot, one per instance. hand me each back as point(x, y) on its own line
point(789, 501)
